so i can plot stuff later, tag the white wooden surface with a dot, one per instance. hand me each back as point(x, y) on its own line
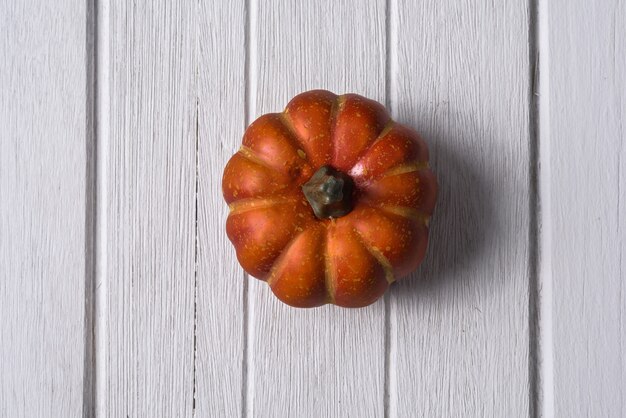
point(150, 190)
point(459, 325)
point(587, 221)
point(45, 204)
point(518, 309)
point(220, 373)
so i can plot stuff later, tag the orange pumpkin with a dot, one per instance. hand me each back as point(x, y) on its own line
point(329, 200)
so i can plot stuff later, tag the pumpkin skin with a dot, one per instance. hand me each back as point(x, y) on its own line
point(350, 260)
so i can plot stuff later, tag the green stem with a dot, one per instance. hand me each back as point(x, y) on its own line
point(330, 193)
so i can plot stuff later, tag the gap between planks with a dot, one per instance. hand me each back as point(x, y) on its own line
point(195, 259)
point(250, 92)
point(89, 366)
point(540, 260)
point(391, 91)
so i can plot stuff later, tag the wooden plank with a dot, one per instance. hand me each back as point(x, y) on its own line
point(150, 190)
point(45, 141)
point(586, 111)
point(327, 361)
point(459, 326)
point(221, 121)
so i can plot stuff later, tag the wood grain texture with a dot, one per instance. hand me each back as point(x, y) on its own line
point(44, 90)
point(459, 325)
point(326, 361)
point(150, 188)
point(221, 121)
point(181, 335)
point(587, 116)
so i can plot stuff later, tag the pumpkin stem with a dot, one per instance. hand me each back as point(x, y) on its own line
point(329, 192)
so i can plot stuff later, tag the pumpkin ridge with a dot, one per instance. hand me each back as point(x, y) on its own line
point(405, 212)
point(329, 279)
point(404, 168)
point(245, 205)
point(334, 112)
point(285, 119)
point(250, 155)
point(378, 255)
point(381, 135)
point(283, 256)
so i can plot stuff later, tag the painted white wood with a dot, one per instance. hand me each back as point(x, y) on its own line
point(587, 187)
point(327, 361)
point(178, 330)
point(459, 325)
point(44, 205)
point(150, 190)
point(220, 52)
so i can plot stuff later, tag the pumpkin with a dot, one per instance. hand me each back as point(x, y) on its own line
point(329, 200)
